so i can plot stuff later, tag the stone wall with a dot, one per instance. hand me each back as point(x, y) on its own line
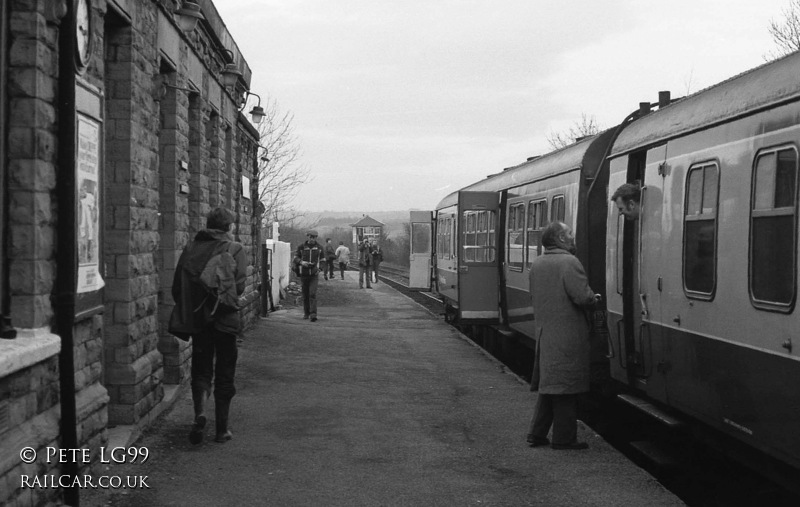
point(174, 145)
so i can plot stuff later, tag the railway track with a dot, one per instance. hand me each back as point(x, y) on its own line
point(701, 475)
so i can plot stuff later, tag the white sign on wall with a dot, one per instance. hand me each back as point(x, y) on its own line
point(88, 170)
point(245, 187)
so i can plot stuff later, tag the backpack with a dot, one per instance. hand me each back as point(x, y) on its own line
point(218, 279)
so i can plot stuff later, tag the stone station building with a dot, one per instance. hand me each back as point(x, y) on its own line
point(120, 129)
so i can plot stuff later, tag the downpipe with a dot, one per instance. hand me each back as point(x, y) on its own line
point(66, 270)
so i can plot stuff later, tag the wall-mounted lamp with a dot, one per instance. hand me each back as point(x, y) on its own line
point(264, 157)
point(230, 73)
point(188, 16)
point(257, 113)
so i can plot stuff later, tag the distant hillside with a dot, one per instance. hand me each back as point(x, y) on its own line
point(326, 221)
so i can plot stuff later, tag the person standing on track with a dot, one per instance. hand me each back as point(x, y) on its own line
point(560, 292)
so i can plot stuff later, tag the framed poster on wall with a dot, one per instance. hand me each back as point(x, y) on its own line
point(88, 199)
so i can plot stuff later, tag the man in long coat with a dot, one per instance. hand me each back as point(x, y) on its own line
point(560, 293)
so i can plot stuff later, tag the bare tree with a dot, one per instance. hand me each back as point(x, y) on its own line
point(786, 32)
point(280, 173)
point(588, 126)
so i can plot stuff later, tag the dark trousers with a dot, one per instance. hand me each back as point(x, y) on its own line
point(342, 267)
point(310, 284)
point(207, 346)
point(375, 266)
point(331, 267)
point(560, 411)
point(362, 270)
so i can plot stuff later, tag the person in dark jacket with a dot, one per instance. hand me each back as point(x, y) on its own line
point(330, 259)
point(212, 337)
point(560, 293)
point(377, 258)
point(364, 263)
point(306, 260)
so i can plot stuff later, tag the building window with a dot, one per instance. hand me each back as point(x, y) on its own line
point(557, 209)
point(516, 236)
point(700, 230)
point(773, 226)
point(537, 220)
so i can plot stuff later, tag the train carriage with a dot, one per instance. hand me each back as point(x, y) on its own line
point(702, 290)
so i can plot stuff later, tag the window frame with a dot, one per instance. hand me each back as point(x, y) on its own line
point(542, 222)
point(563, 207)
point(701, 217)
point(518, 267)
point(792, 210)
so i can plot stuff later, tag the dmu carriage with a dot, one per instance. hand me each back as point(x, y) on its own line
point(701, 290)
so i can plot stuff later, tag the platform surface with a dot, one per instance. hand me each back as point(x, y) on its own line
point(379, 402)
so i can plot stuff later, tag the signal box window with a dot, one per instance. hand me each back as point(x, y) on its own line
point(773, 226)
point(700, 231)
point(537, 221)
point(516, 236)
point(478, 236)
point(557, 209)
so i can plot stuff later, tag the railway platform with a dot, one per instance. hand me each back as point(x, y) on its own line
point(379, 402)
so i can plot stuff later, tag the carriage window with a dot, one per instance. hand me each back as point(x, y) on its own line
point(443, 235)
point(537, 220)
point(773, 226)
point(420, 238)
point(700, 230)
point(478, 246)
point(557, 209)
point(516, 228)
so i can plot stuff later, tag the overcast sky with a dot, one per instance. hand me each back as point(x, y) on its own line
point(398, 103)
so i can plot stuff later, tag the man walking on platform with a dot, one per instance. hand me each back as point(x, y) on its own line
point(330, 259)
point(213, 329)
point(306, 260)
point(364, 264)
point(343, 256)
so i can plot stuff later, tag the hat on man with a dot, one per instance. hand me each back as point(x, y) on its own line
point(313, 233)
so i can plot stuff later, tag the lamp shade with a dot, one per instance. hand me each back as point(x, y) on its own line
point(188, 16)
point(230, 74)
point(257, 113)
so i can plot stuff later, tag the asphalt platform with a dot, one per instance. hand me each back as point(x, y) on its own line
point(378, 403)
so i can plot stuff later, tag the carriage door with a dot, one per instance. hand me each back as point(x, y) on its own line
point(649, 344)
point(477, 258)
point(419, 275)
point(635, 305)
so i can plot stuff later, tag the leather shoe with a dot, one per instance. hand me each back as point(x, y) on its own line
point(574, 446)
point(537, 441)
